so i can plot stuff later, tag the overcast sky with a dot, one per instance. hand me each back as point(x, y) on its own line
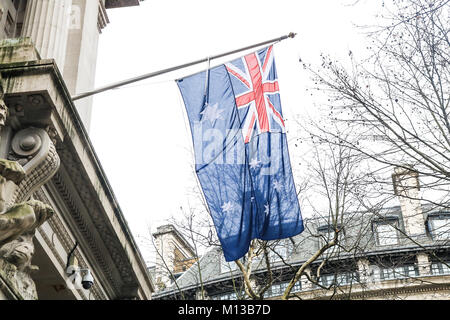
point(140, 132)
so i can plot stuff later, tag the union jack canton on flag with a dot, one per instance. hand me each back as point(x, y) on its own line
point(241, 152)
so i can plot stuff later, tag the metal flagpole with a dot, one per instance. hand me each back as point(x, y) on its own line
point(160, 72)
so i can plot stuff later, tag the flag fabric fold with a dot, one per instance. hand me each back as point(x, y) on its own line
point(241, 152)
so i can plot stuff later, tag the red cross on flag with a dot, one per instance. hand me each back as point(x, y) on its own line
point(258, 76)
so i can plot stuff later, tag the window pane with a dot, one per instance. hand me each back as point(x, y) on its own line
point(387, 235)
point(440, 268)
point(435, 268)
point(446, 268)
point(441, 229)
point(399, 272)
point(387, 274)
point(280, 251)
point(297, 287)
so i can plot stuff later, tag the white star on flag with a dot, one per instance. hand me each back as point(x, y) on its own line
point(254, 163)
point(267, 208)
point(229, 207)
point(211, 113)
point(278, 186)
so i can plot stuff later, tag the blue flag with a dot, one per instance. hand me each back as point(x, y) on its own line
point(241, 152)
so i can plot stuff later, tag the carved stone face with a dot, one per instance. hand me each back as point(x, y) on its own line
point(3, 112)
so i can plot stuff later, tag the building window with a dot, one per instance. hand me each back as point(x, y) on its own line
point(439, 226)
point(326, 233)
point(340, 279)
point(326, 280)
point(280, 250)
point(297, 287)
point(229, 296)
point(403, 272)
point(386, 232)
point(439, 268)
point(278, 289)
point(276, 250)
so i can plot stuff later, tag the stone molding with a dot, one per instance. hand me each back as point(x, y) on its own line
point(84, 230)
point(395, 291)
point(67, 242)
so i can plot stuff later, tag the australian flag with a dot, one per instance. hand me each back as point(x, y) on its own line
point(241, 151)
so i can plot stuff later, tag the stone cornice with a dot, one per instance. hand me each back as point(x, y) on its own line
point(401, 291)
point(391, 288)
point(63, 234)
point(85, 235)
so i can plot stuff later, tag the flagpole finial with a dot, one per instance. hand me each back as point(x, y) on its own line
point(292, 35)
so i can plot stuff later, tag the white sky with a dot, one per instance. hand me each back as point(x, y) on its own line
point(140, 133)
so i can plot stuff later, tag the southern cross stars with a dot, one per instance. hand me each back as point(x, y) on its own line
point(254, 163)
point(277, 185)
point(211, 113)
point(267, 209)
point(229, 206)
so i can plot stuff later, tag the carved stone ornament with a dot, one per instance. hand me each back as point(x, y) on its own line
point(31, 162)
point(3, 112)
point(22, 218)
point(16, 264)
point(33, 149)
point(20, 282)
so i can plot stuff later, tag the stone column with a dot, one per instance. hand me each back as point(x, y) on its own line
point(406, 187)
point(424, 264)
point(305, 283)
point(364, 271)
point(46, 22)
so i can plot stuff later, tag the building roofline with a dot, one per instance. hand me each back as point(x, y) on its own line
point(169, 228)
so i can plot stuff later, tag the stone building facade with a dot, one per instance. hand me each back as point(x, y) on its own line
point(62, 232)
point(174, 255)
point(399, 252)
point(64, 30)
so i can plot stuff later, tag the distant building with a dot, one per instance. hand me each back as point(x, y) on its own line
point(174, 255)
point(393, 253)
point(62, 232)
